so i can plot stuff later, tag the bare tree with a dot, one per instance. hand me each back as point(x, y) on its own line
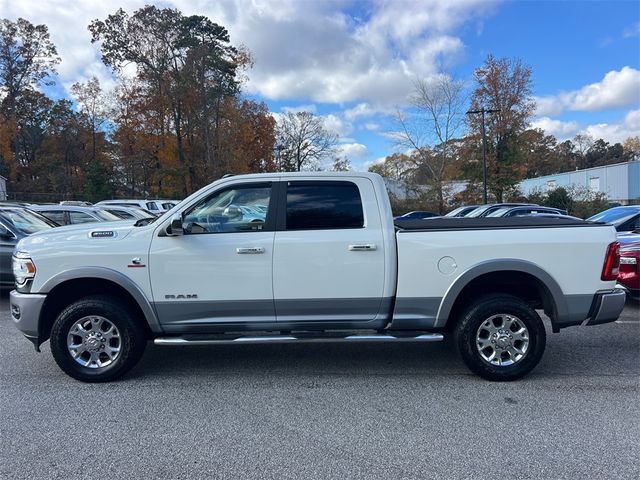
point(93, 107)
point(583, 143)
point(341, 164)
point(430, 129)
point(302, 141)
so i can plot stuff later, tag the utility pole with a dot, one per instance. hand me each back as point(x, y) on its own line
point(482, 112)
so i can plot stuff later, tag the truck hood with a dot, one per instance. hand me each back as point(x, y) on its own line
point(89, 232)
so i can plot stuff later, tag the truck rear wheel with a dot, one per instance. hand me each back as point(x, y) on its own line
point(500, 337)
point(96, 339)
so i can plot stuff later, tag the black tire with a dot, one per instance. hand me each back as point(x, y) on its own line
point(475, 316)
point(131, 339)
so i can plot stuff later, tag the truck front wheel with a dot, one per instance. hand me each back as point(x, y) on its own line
point(96, 339)
point(500, 337)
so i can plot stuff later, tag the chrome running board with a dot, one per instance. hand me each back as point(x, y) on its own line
point(424, 338)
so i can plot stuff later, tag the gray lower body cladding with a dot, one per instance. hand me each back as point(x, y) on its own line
point(308, 314)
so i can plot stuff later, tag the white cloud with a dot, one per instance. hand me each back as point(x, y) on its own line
point(611, 132)
point(372, 127)
point(337, 125)
point(548, 106)
point(360, 110)
point(311, 108)
point(353, 151)
point(559, 129)
point(617, 89)
point(632, 31)
point(617, 132)
point(309, 50)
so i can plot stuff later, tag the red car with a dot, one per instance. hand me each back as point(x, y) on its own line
point(629, 275)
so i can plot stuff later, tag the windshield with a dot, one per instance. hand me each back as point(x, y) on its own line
point(499, 212)
point(615, 216)
point(26, 221)
point(478, 211)
point(454, 213)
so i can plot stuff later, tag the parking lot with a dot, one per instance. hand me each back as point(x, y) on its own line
point(326, 411)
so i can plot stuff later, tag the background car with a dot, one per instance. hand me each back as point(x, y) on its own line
point(166, 205)
point(16, 223)
point(126, 213)
point(629, 276)
point(416, 215)
point(625, 219)
point(484, 210)
point(77, 203)
point(157, 207)
point(73, 215)
point(462, 211)
point(525, 211)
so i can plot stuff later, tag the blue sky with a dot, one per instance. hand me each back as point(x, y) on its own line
point(353, 62)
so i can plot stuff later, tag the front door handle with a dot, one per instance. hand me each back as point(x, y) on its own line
point(249, 250)
point(362, 248)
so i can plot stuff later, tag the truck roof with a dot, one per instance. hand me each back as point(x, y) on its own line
point(305, 174)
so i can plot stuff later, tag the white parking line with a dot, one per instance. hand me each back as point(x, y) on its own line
point(627, 321)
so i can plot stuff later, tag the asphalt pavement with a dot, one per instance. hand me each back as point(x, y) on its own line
point(327, 411)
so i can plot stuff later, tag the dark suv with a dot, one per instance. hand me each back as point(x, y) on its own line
point(15, 223)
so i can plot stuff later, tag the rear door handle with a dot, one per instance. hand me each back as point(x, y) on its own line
point(249, 250)
point(362, 248)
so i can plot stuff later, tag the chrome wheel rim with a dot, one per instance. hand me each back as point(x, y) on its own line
point(94, 342)
point(502, 340)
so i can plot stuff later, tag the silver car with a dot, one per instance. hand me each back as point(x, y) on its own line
point(73, 215)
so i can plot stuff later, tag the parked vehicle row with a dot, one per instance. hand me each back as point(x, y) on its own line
point(489, 210)
point(154, 206)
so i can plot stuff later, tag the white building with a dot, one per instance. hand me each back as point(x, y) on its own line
point(619, 182)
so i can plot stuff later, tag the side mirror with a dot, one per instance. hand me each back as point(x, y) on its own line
point(175, 227)
point(5, 233)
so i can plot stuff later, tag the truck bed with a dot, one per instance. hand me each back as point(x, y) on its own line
point(487, 223)
point(438, 255)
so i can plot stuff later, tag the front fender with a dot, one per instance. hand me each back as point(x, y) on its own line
point(114, 276)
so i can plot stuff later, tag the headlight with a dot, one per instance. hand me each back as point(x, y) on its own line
point(23, 268)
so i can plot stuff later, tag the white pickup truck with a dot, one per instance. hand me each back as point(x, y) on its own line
point(308, 257)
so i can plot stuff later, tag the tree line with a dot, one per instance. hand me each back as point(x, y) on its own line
point(177, 119)
point(441, 140)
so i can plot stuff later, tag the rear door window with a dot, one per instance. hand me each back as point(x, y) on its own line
point(318, 205)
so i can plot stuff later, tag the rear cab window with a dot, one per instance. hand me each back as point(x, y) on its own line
point(323, 205)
